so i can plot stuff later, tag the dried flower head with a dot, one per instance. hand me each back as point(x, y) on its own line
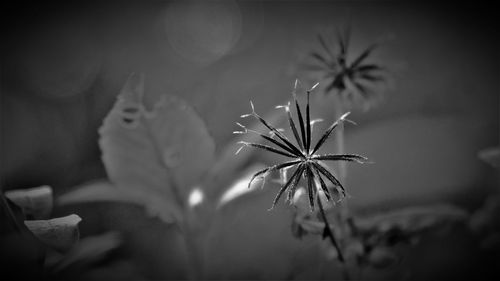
point(303, 154)
point(354, 79)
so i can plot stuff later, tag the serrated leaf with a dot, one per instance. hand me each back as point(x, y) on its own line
point(155, 155)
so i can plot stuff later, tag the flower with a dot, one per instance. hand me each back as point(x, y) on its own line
point(355, 79)
point(303, 154)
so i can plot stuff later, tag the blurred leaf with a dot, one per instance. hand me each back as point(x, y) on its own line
point(485, 223)
point(59, 233)
point(402, 224)
point(89, 250)
point(35, 202)
point(246, 241)
point(382, 257)
point(155, 156)
point(485, 218)
point(96, 192)
point(227, 165)
point(491, 156)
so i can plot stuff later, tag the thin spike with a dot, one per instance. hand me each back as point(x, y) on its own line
point(323, 185)
point(342, 44)
point(342, 157)
point(328, 231)
point(294, 179)
point(329, 176)
point(239, 149)
point(268, 148)
point(310, 187)
point(308, 126)
point(363, 55)
point(322, 60)
point(271, 169)
point(328, 132)
point(293, 127)
point(271, 128)
point(325, 46)
point(301, 124)
point(270, 139)
point(314, 122)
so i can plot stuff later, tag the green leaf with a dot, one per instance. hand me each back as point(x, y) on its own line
point(156, 156)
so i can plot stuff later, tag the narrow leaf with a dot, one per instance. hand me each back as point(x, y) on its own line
point(363, 55)
point(308, 125)
point(323, 185)
point(293, 127)
point(301, 123)
point(276, 132)
point(329, 176)
point(268, 148)
point(310, 187)
point(271, 169)
point(328, 132)
point(342, 157)
point(294, 179)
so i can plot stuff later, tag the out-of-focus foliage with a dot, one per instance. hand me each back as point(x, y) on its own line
point(485, 222)
point(152, 157)
point(55, 243)
point(35, 202)
point(58, 233)
point(371, 239)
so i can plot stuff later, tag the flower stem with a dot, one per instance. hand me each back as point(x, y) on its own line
point(328, 231)
point(340, 143)
point(191, 241)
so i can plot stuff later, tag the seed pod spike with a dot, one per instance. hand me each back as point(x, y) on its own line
point(323, 185)
point(282, 137)
point(293, 127)
point(294, 179)
point(328, 132)
point(310, 187)
point(329, 176)
point(342, 157)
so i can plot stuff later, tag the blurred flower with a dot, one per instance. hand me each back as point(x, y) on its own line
point(354, 79)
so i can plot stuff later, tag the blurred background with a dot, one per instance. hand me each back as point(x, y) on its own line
point(63, 64)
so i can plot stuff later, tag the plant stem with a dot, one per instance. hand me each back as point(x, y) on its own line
point(191, 240)
point(340, 143)
point(328, 231)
